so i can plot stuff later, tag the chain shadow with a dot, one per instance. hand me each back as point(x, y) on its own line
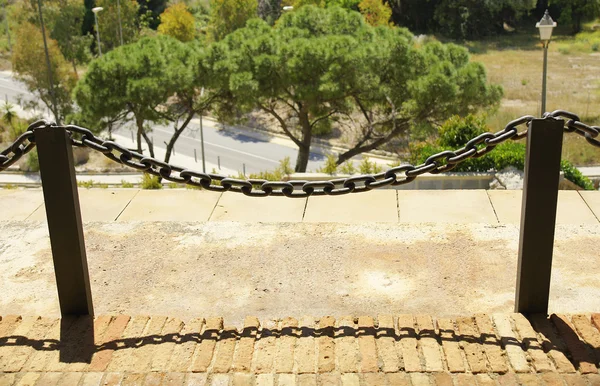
point(77, 338)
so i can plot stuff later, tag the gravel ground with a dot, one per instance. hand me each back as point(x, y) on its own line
point(276, 270)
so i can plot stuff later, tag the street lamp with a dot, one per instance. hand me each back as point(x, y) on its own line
point(288, 8)
point(49, 67)
point(546, 25)
point(96, 10)
point(119, 19)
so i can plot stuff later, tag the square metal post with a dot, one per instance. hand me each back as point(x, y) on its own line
point(538, 215)
point(61, 200)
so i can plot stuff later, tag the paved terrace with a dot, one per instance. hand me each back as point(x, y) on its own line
point(209, 261)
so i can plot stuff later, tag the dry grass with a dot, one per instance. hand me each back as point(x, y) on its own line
point(573, 85)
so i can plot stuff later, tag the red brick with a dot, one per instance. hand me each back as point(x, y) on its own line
point(183, 352)
point(286, 345)
point(326, 345)
point(386, 344)
point(112, 379)
point(265, 349)
point(529, 337)
point(366, 345)
point(224, 350)
point(574, 380)
point(346, 346)
point(107, 344)
point(124, 357)
point(588, 332)
point(49, 379)
point(28, 379)
point(398, 379)
point(408, 342)
point(428, 341)
point(305, 351)
point(442, 379)
point(153, 379)
point(329, 379)
point(579, 353)
point(530, 380)
point(553, 379)
point(508, 379)
point(510, 342)
point(451, 348)
point(420, 379)
point(20, 354)
point(491, 344)
point(204, 351)
point(20, 327)
point(245, 347)
point(133, 379)
point(553, 346)
point(173, 379)
point(470, 341)
point(465, 379)
point(164, 350)
point(485, 380)
point(374, 378)
point(306, 380)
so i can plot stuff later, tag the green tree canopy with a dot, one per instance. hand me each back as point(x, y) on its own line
point(228, 15)
point(108, 23)
point(156, 79)
point(30, 68)
point(328, 64)
point(575, 12)
point(375, 12)
point(178, 22)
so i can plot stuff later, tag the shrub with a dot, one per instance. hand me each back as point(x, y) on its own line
point(330, 165)
point(86, 184)
point(347, 167)
point(125, 184)
point(457, 131)
point(150, 182)
point(33, 163)
point(573, 174)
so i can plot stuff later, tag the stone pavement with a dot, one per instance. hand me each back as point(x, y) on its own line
point(499, 349)
point(391, 206)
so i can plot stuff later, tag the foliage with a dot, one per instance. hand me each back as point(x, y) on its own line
point(30, 68)
point(347, 168)
point(573, 174)
point(66, 30)
point(178, 22)
point(32, 163)
point(575, 12)
point(327, 64)
point(282, 172)
point(330, 166)
point(86, 184)
point(16, 125)
point(108, 23)
point(457, 131)
point(150, 182)
point(228, 15)
point(138, 80)
point(368, 167)
point(468, 19)
point(375, 12)
point(125, 184)
point(150, 11)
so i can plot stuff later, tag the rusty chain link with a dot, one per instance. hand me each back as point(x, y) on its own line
point(403, 174)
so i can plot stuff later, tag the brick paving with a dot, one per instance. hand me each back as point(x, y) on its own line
point(499, 349)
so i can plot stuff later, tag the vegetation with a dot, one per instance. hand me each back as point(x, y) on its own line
point(178, 22)
point(150, 182)
point(375, 12)
point(30, 68)
point(227, 16)
point(328, 64)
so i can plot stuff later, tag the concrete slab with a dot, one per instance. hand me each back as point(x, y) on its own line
point(572, 209)
point(374, 206)
point(96, 204)
point(19, 204)
point(592, 199)
point(445, 206)
point(237, 207)
point(171, 205)
point(273, 270)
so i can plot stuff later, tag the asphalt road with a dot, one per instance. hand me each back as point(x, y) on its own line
point(233, 147)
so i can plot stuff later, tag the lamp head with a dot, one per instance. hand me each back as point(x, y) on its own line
point(546, 25)
point(97, 9)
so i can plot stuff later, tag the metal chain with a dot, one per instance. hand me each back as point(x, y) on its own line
point(21, 146)
point(403, 174)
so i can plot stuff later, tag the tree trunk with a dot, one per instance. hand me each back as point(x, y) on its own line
point(176, 135)
point(140, 128)
point(149, 142)
point(304, 148)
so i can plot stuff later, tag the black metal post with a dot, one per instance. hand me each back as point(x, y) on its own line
point(538, 215)
point(61, 200)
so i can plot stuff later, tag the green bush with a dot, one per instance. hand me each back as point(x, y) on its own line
point(457, 131)
point(347, 167)
point(33, 163)
point(573, 174)
point(125, 184)
point(330, 165)
point(282, 171)
point(150, 182)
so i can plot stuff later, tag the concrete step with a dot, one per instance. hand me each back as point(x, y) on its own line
point(396, 350)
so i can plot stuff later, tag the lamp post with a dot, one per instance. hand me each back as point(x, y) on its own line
point(119, 19)
point(96, 10)
point(50, 81)
point(288, 8)
point(546, 25)
point(202, 136)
